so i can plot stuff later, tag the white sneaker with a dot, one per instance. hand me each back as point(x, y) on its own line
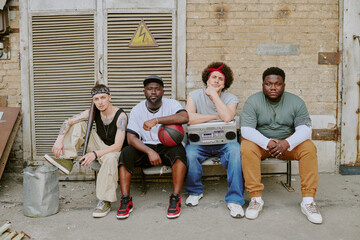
point(236, 210)
point(193, 200)
point(253, 209)
point(312, 213)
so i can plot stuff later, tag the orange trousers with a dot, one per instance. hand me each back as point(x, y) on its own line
point(305, 153)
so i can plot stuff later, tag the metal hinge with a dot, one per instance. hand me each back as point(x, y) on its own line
point(325, 134)
point(329, 58)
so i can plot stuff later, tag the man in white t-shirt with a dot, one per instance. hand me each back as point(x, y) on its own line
point(145, 149)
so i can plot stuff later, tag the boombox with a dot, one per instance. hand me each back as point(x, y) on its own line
point(212, 133)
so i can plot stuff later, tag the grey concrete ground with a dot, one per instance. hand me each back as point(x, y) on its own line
point(338, 199)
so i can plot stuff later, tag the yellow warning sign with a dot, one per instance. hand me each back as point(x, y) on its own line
point(142, 37)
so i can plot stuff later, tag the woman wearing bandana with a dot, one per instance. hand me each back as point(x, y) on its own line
point(204, 105)
point(104, 145)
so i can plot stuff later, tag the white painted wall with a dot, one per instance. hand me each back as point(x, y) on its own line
point(349, 77)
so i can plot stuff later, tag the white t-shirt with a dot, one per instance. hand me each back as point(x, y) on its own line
point(139, 114)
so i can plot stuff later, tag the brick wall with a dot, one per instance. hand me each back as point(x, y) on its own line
point(10, 84)
point(230, 31)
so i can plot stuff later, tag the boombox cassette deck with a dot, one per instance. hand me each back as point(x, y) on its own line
point(212, 133)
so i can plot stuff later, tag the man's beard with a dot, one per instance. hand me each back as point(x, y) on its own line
point(154, 102)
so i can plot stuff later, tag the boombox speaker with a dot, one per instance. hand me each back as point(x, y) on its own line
point(212, 133)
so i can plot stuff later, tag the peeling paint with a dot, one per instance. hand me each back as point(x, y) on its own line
point(351, 164)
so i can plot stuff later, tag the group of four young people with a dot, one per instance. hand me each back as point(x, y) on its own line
point(273, 123)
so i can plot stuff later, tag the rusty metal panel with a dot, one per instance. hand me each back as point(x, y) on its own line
point(3, 101)
point(6, 125)
point(325, 134)
point(349, 75)
point(329, 58)
point(9, 125)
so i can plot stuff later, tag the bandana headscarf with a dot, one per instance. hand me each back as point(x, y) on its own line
point(217, 70)
point(101, 90)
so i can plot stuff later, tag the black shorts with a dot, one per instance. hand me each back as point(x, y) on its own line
point(131, 158)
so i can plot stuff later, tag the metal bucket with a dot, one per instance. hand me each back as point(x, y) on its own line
point(40, 191)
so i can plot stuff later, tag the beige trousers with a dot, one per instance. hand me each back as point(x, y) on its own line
point(305, 153)
point(107, 179)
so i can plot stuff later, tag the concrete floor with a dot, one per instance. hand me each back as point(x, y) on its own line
point(338, 199)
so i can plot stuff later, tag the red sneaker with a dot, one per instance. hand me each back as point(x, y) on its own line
point(174, 206)
point(125, 207)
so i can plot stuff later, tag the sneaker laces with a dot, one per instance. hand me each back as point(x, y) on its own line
point(235, 207)
point(124, 202)
point(193, 197)
point(100, 205)
point(311, 208)
point(253, 204)
point(173, 200)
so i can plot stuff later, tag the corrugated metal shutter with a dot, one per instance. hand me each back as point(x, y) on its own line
point(127, 67)
point(63, 73)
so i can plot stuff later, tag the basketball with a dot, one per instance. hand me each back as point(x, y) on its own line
point(171, 135)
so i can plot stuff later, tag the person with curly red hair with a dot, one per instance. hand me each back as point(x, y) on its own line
point(204, 105)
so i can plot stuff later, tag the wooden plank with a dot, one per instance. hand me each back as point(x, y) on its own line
point(9, 125)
